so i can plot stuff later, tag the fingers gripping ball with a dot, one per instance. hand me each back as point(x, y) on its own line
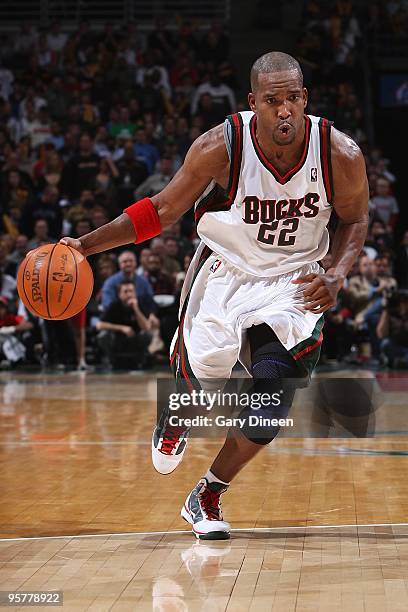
point(55, 281)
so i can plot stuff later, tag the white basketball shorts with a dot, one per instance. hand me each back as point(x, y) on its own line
point(220, 302)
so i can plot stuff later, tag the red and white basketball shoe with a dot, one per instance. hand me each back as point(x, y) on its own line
point(202, 509)
point(168, 446)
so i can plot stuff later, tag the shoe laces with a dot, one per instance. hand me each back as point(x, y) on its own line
point(210, 503)
point(171, 437)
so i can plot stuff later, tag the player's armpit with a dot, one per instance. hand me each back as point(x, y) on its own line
point(207, 159)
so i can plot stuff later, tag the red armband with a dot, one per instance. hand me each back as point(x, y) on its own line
point(145, 219)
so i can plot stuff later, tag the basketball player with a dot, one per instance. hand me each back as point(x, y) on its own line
point(264, 185)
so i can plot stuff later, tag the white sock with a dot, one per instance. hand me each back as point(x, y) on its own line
point(210, 477)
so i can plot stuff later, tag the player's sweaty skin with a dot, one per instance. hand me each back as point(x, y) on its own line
point(279, 101)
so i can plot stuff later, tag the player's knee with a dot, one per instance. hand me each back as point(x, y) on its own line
point(273, 362)
point(275, 375)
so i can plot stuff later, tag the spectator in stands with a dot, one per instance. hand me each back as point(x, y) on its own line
point(15, 258)
point(6, 266)
point(56, 39)
point(145, 152)
point(127, 272)
point(401, 263)
point(379, 237)
point(386, 286)
point(362, 289)
point(41, 235)
point(16, 192)
point(143, 259)
point(48, 172)
point(105, 267)
point(47, 208)
point(13, 162)
point(156, 182)
point(105, 180)
point(180, 276)
point(222, 96)
point(33, 100)
point(99, 216)
point(160, 282)
point(156, 72)
point(132, 172)
point(7, 286)
point(392, 330)
point(122, 123)
point(103, 142)
point(171, 263)
point(11, 328)
point(81, 170)
point(39, 127)
point(124, 329)
point(6, 82)
point(384, 205)
point(81, 227)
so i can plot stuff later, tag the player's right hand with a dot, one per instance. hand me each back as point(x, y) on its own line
point(74, 243)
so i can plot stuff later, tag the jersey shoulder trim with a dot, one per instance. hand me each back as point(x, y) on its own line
point(325, 157)
point(236, 124)
point(215, 198)
point(282, 179)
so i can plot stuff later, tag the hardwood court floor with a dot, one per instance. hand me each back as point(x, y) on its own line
point(322, 524)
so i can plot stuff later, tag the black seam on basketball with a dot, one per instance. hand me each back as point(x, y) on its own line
point(25, 292)
point(76, 281)
point(46, 283)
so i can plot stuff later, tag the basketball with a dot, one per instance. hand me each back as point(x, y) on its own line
point(55, 281)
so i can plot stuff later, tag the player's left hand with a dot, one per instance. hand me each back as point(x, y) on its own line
point(320, 291)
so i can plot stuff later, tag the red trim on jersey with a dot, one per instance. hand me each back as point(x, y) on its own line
point(183, 367)
point(325, 157)
point(206, 252)
point(237, 153)
point(309, 349)
point(282, 179)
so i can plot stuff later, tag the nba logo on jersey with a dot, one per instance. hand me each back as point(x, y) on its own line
point(215, 265)
point(313, 174)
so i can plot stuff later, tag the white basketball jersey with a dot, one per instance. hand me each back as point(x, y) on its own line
point(265, 223)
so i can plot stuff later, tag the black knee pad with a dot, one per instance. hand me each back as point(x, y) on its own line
point(276, 376)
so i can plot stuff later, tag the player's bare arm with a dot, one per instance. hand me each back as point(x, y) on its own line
point(351, 205)
point(207, 159)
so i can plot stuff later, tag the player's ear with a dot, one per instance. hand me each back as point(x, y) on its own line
point(305, 96)
point(251, 101)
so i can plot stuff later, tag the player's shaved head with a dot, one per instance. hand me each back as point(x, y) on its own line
point(272, 62)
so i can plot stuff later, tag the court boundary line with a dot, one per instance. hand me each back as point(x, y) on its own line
point(180, 531)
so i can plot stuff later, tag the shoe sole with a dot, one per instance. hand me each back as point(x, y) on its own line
point(212, 535)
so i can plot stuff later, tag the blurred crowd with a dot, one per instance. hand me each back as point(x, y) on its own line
point(91, 121)
point(367, 325)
